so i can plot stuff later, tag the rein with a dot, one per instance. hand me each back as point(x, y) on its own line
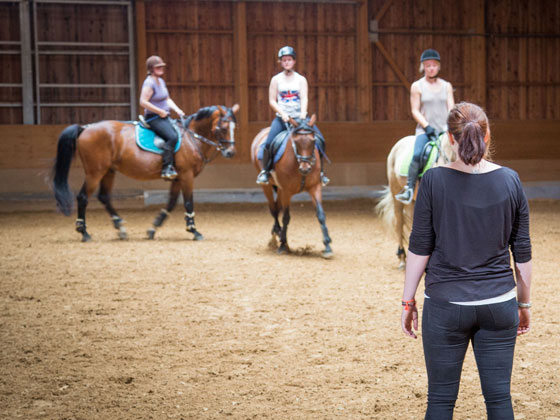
point(216, 145)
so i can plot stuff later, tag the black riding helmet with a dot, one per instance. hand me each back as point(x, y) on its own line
point(430, 54)
point(287, 50)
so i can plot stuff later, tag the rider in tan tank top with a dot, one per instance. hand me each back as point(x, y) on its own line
point(431, 99)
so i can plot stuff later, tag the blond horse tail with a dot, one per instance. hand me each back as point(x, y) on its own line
point(385, 208)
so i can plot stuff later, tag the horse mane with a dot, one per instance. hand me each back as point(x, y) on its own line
point(207, 112)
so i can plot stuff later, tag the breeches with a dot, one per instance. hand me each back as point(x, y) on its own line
point(164, 129)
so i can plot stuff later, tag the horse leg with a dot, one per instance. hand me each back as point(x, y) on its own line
point(104, 196)
point(284, 199)
point(89, 186)
point(273, 208)
point(164, 213)
point(188, 183)
point(399, 229)
point(316, 197)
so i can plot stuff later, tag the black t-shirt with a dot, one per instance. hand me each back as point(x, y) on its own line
point(467, 223)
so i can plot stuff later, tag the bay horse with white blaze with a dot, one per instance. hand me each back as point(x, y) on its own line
point(297, 170)
point(109, 146)
point(395, 214)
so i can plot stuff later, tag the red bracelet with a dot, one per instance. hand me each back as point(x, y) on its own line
point(408, 303)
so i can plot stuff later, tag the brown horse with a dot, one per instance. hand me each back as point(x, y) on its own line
point(296, 171)
point(109, 146)
point(395, 214)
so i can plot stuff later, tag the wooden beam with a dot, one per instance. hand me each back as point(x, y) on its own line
point(393, 65)
point(363, 65)
point(478, 53)
point(241, 80)
point(383, 10)
point(141, 57)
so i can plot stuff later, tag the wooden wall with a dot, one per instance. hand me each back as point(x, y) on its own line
point(360, 58)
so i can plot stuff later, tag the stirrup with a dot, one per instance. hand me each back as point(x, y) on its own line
point(405, 196)
point(169, 173)
point(263, 178)
point(324, 180)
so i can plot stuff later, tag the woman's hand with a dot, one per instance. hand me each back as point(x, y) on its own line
point(524, 321)
point(162, 113)
point(409, 320)
point(285, 117)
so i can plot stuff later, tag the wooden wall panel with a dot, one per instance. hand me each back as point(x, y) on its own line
point(196, 40)
point(324, 37)
point(10, 64)
point(82, 23)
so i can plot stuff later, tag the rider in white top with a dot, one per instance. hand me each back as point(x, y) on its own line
point(431, 99)
point(287, 96)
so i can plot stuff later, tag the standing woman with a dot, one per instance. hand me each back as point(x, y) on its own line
point(287, 96)
point(156, 102)
point(431, 98)
point(468, 215)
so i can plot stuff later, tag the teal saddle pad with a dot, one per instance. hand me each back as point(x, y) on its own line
point(145, 139)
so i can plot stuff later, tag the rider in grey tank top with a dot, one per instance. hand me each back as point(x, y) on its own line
point(431, 99)
point(433, 105)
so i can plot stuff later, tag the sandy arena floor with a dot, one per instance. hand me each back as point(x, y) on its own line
point(225, 328)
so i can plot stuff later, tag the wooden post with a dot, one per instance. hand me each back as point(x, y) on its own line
point(241, 80)
point(478, 54)
point(363, 65)
point(140, 43)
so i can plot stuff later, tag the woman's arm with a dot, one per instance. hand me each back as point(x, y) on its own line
point(450, 98)
point(523, 274)
point(415, 98)
point(145, 103)
point(303, 96)
point(175, 108)
point(415, 266)
point(272, 99)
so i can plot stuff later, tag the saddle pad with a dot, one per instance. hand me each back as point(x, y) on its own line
point(403, 171)
point(278, 146)
point(145, 139)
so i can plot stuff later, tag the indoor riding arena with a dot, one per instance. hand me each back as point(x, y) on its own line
point(123, 327)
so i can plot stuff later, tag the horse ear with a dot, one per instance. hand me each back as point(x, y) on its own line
point(235, 108)
point(312, 119)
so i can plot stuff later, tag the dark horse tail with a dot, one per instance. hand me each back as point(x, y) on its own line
point(65, 153)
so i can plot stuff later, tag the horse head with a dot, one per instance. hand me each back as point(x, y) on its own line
point(303, 142)
point(215, 127)
point(446, 154)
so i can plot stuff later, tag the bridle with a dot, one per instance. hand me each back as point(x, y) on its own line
point(303, 128)
point(222, 142)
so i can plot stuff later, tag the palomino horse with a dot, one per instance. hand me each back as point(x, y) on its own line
point(109, 146)
point(395, 214)
point(297, 170)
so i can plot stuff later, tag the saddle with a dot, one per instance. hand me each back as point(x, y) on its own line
point(278, 146)
point(147, 139)
point(428, 157)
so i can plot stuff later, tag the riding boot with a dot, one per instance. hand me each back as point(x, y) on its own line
point(267, 161)
point(167, 170)
point(406, 195)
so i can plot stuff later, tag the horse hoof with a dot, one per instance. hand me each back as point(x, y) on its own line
point(327, 255)
point(402, 265)
point(151, 233)
point(282, 250)
point(86, 238)
point(122, 234)
point(198, 237)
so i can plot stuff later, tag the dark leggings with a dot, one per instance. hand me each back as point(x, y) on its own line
point(447, 329)
point(164, 129)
